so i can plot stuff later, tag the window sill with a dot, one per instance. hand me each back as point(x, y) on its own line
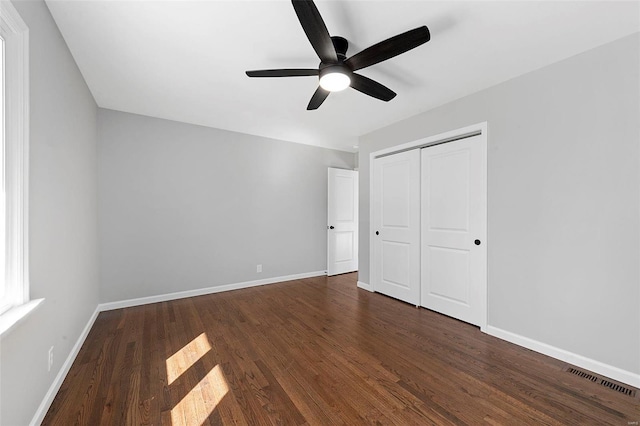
point(15, 315)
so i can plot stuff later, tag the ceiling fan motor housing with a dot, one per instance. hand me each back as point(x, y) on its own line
point(333, 68)
point(339, 70)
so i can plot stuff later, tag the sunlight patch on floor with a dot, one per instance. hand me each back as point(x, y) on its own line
point(182, 360)
point(199, 403)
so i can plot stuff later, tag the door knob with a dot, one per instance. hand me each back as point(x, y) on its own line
point(331, 227)
point(377, 233)
point(477, 242)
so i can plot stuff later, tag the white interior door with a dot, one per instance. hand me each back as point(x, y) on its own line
point(395, 261)
point(342, 230)
point(454, 228)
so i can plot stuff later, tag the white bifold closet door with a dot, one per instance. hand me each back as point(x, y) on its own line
point(395, 267)
point(453, 246)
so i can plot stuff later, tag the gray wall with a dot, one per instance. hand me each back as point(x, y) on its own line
point(563, 200)
point(63, 220)
point(185, 207)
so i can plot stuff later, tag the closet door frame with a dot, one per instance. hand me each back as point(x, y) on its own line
point(479, 129)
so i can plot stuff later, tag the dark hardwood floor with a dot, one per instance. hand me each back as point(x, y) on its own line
point(316, 351)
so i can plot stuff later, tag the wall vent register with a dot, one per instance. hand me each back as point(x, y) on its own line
point(603, 381)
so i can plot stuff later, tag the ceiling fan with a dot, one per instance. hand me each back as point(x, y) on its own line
point(336, 72)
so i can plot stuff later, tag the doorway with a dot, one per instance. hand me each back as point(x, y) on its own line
point(342, 217)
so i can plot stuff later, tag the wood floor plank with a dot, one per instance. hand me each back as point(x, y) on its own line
point(316, 351)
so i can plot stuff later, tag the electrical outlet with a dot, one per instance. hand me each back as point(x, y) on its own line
point(50, 359)
point(259, 268)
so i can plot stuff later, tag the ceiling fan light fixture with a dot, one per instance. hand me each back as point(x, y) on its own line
point(335, 78)
point(336, 71)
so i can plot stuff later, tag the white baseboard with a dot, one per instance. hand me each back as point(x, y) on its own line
point(365, 286)
point(609, 371)
point(202, 291)
point(57, 382)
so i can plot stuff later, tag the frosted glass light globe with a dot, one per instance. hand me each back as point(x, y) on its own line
point(334, 81)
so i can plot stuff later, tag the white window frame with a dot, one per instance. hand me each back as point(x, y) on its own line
point(15, 34)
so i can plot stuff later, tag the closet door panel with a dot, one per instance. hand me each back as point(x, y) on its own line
point(453, 246)
point(395, 261)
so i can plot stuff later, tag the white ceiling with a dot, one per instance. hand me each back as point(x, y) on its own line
point(185, 60)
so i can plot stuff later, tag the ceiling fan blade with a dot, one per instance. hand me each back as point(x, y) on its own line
point(389, 48)
point(318, 98)
point(371, 88)
point(316, 30)
point(286, 72)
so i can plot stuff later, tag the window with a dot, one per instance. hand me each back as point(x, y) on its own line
point(5, 302)
point(14, 118)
